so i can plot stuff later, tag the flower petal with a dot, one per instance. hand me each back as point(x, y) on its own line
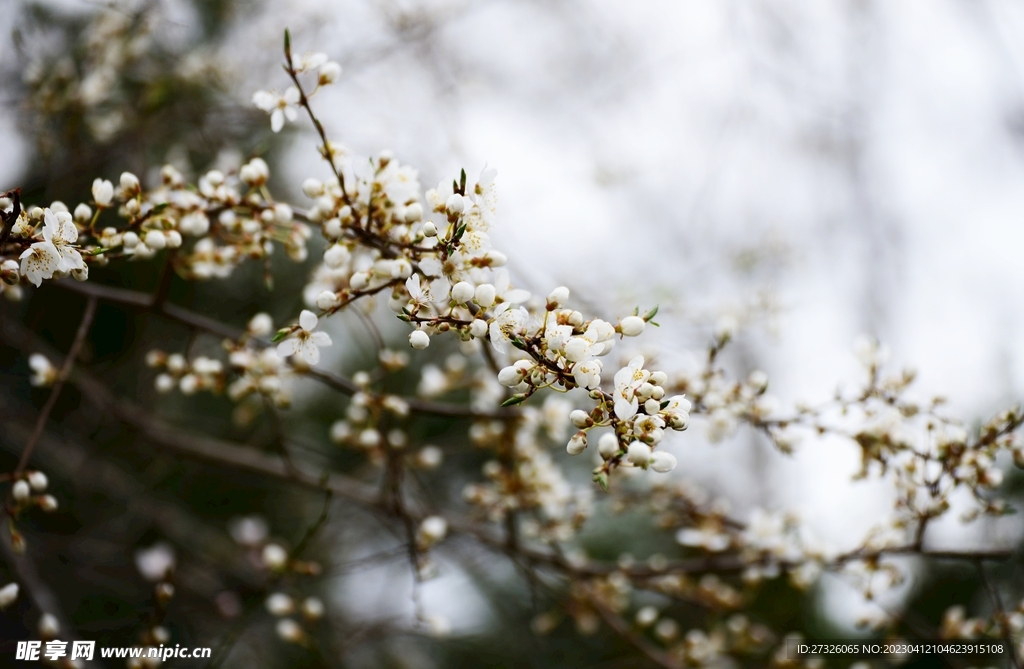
point(321, 339)
point(307, 319)
point(310, 354)
point(277, 120)
point(288, 347)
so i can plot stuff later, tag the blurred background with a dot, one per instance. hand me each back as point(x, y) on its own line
point(815, 171)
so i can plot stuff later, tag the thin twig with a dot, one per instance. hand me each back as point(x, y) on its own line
point(1000, 613)
point(206, 324)
point(58, 385)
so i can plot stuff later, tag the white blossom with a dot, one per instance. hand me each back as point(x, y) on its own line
point(304, 343)
point(280, 107)
point(627, 380)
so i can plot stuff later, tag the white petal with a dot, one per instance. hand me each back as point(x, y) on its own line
point(307, 319)
point(291, 113)
point(277, 120)
point(288, 347)
point(69, 233)
point(291, 96)
point(310, 353)
point(265, 100)
point(625, 410)
point(51, 226)
point(321, 339)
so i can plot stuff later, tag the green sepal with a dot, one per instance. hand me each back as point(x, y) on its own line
point(280, 334)
point(514, 400)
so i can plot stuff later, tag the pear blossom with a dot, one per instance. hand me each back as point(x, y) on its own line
point(305, 343)
point(309, 61)
point(597, 340)
point(508, 324)
point(627, 381)
point(504, 294)
point(677, 412)
point(587, 374)
point(280, 107)
point(54, 253)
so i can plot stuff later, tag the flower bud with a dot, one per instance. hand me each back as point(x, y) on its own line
point(652, 406)
point(332, 229)
point(102, 192)
point(429, 229)
point(8, 595)
point(496, 258)
point(485, 295)
point(326, 300)
point(48, 503)
point(510, 376)
point(130, 240)
point(414, 213)
point(312, 608)
point(173, 238)
point(129, 182)
point(577, 444)
point(38, 481)
point(663, 462)
point(20, 491)
point(581, 418)
point(329, 73)
point(631, 326)
point(336, 256)
point(155, 240)
point(290, 631)
point(48, 626)
point(646, 616)
point(558, 297)
point(359, 281)
point(638, 453)
point(419, 339)
point(455, 204)
point(83, 213)
point(478, 328)
point(313, 188)
point(608, 445)
point(431, 531)
point(275, 557)
point(280, 604)
point(10, 272)
point(462, 292)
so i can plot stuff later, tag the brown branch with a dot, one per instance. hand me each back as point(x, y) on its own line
point(638, 641)
point(242, 458)
point(209, 325)
point(42, 596)
point(58, 385)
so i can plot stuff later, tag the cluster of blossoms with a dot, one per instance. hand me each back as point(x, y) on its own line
point(429, 257)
